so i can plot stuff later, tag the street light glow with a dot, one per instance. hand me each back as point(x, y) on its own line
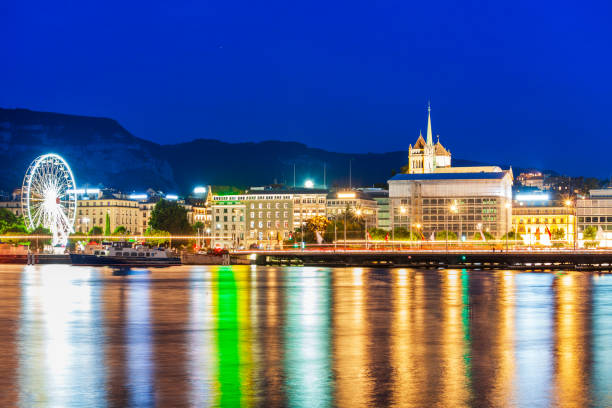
point(199, 190)
point(309, 184)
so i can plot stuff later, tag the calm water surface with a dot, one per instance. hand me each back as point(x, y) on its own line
point(312, 337)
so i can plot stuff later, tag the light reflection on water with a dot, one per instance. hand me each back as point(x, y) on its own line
point(355, 337)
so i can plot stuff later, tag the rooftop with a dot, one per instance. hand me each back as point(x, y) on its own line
point(450, 176)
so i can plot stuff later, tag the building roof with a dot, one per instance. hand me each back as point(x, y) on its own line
point(440, 150)
point(288, 191)
point(449, 176)
point(468, 169)
point(420, 143)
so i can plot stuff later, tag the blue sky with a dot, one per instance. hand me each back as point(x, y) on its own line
point(523, 83)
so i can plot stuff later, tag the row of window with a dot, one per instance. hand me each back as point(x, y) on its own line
point(542, 221)
point(594, 219)
point(268, 224)
point(268, 214)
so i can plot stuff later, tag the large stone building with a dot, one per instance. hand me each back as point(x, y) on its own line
point(271, 215)
point(229, 224)
point(464, 203)
point(433, 196)
point(537, 221)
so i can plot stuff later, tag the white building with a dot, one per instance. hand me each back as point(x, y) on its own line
point(465, 203)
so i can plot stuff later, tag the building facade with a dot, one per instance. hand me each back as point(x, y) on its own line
point(92, 213)
point(355, 201)
point(383, 214)
point(229, 224)
point(596, 211)
point(542, 223)
point(465, 203)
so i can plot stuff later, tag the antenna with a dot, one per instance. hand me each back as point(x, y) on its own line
point(350, 174)
point(324, 175)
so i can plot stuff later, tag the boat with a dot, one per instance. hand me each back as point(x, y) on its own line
point(124, 254)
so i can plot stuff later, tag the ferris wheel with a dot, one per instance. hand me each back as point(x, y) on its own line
point(48, 197)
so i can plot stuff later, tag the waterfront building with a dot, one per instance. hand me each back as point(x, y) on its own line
point(596, 211)
point(13, 206)
point(273, 214)
point(268, 215)
point(123, 212)
point(383, 214)
point(465, 203)
point(539, 220)
point(229, 224)
point(355, 201)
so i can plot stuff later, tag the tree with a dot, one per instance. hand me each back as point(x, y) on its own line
point(198, 226)
point(590, 232)
point(478, 236)
point(403, 234)
point(39, 243)
point(9, 222)
point(171, 217)
point(317, 223)
point(512, 235)
point(444, 235)
point(107, 229)
point(557, 234)
point(120, 230)
point(163, 236)
point(95, 230)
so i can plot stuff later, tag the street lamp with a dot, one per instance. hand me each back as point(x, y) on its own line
point(568, 204)
point(507, 205)
point(402, 212)
point(359, 212)
point(454, 209)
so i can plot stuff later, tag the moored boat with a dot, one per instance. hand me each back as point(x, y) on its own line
point(123, 254)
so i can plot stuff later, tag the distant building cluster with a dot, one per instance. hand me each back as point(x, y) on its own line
point(430, 197)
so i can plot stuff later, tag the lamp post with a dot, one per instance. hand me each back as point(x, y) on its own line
point(568, 204)
point(358, 213)
point(418, 227)
point(453, 209)
point(508, 205)
point(403, 211)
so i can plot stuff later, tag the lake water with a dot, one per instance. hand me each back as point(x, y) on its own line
point(303, 336)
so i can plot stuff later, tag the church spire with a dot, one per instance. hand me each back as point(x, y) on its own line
point(429, 135)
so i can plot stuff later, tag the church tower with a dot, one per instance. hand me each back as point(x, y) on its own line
point(425, 156)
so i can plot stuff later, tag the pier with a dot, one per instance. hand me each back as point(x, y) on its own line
point(521, 260)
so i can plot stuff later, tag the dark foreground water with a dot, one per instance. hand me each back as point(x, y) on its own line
point(313, 337)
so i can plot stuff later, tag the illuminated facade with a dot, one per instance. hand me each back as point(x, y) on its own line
point(465, 203)
point(534, 222)
point(229, 224)
point(92, 213)
point(355, 201)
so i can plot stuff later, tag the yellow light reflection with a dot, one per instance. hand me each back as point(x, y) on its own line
point(350, 339)
point(572, 320)
point(455, 391)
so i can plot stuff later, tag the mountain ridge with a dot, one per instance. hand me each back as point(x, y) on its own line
point(102, 152)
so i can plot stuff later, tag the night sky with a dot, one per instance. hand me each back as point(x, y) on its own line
point(522, 82)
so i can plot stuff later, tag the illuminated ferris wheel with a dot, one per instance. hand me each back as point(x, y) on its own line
point(48, 197)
